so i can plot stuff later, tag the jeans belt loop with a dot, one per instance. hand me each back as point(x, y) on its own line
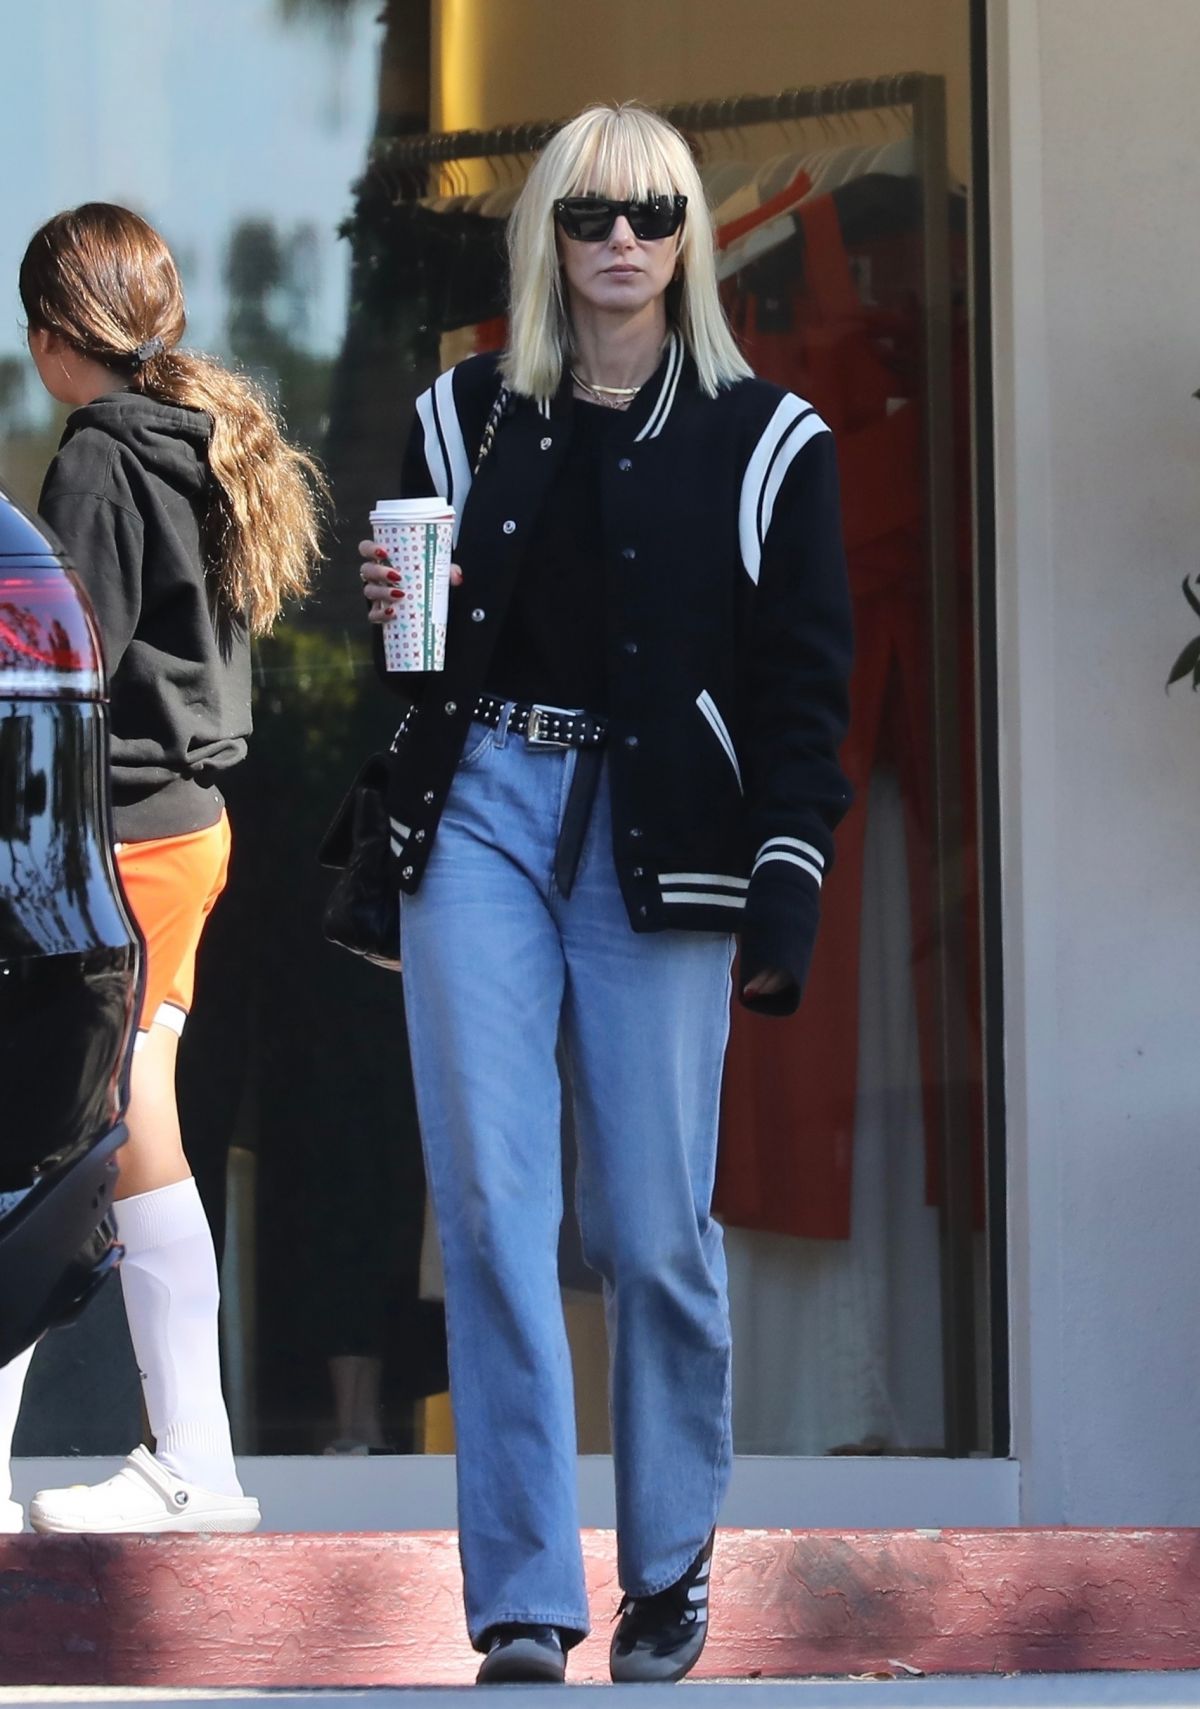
point(506, 712)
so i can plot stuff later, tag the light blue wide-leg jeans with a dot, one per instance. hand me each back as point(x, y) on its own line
point(495, 961)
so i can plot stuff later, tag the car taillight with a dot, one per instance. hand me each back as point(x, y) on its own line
point(48, 640)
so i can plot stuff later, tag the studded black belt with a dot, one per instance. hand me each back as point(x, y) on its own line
point(544, 726)
point(551, 727)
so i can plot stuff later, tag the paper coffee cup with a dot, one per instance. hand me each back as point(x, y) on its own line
point(416, 534)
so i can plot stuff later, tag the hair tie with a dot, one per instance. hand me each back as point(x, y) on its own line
point(147, 352)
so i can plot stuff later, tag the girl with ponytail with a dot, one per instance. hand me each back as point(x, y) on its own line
point(190, 520)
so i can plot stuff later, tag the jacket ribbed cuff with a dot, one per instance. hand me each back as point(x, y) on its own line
point(778, 934)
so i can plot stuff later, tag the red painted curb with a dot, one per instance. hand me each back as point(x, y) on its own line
point(366, 1609)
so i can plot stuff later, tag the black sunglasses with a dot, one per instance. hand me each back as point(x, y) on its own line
point(590, 219)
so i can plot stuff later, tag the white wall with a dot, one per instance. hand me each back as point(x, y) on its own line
point(1097, 132)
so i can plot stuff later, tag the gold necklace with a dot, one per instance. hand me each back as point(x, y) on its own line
point(612, 397)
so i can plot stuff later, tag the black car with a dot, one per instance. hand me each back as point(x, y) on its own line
point(70, 955)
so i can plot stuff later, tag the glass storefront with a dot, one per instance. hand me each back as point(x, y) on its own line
point(336, 242)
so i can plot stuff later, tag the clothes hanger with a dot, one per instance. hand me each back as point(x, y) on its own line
point(897, 158)
point(813, 161)
point(838, 165)
point(721, 178)
point(474, 202)
point(889, 198)
point(503, 199)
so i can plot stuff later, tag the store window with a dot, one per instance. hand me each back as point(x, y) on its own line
point(341, 239)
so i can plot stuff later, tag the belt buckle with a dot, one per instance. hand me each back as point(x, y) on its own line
point(533, 730)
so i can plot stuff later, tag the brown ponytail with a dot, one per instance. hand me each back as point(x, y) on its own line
point(104, 280)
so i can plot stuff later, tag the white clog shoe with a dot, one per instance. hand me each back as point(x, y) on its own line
point(143, 1496)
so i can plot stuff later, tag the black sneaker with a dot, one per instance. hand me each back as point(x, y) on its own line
point(660, 1637)
point(523, 1655)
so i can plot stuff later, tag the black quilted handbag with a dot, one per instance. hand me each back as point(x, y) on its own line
point(362, 914)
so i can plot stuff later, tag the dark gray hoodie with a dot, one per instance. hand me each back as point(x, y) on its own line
point(126, 495)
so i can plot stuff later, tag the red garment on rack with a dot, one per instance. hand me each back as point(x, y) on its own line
point(782, 202)
point(791, 1086)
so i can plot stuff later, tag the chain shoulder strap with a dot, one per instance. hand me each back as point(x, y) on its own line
point(495, 415)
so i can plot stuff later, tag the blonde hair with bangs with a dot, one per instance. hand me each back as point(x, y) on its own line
point(623, 151)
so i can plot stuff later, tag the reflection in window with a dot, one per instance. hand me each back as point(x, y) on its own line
point(850, 1175)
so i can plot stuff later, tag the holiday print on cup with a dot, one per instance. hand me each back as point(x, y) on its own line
point(416, 534)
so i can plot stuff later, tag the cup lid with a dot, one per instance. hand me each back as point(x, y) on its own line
point(410, 509)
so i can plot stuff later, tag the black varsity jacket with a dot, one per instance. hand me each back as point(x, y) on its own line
point(728, 643)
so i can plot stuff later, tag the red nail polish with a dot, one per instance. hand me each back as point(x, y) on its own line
point(397, 593)
point(393, 575)
point(380, 555)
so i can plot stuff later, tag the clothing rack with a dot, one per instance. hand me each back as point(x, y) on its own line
point(925, 96)
point(828, 100)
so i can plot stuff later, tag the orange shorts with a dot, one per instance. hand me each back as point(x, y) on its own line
point(171, 884)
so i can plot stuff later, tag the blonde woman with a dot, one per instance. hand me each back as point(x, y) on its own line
point(630, 758)
point(189, 519)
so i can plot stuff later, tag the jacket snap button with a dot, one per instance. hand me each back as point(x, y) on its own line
point(643, 910)
point(629, 553)
point(631, 648)
point(418, 836)
point(478, 615)
point(625, 465)
point(639, 872)
point(510, 527)
point(451, 708)
point(406, 872)
point(429, 798)
point(631, 741)
point(546, 444)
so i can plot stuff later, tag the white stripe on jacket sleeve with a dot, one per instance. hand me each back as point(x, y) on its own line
point(434, 461)
point(785, 457)
point(793, 843)
point(792, 860)
point(780, 442)
point(456, 450)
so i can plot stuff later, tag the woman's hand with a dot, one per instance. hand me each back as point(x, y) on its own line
point(767, 984)
point(381, 583)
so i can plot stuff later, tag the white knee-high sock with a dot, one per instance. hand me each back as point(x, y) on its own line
point(12, 1387)
point(169, 1278)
